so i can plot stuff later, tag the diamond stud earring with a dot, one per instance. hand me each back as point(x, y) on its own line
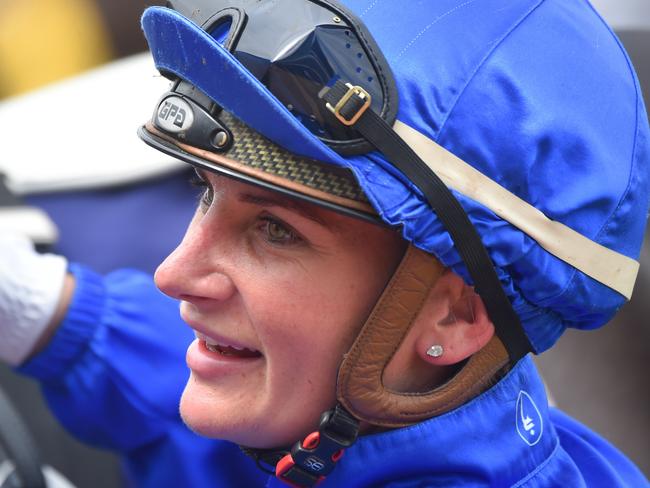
point(435, 351)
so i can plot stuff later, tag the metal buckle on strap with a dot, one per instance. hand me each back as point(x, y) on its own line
point(353, 90)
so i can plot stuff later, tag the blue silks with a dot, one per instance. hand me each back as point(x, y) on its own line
point(537, 95)
point(111, 375)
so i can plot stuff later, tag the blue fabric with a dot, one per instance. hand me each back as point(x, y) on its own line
point(111, 375)
point(104, 228)
point(537, 94)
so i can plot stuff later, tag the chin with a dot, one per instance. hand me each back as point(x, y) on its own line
point(206, 414)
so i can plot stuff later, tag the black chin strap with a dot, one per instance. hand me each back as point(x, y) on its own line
point(351, 106)
point(309, 461)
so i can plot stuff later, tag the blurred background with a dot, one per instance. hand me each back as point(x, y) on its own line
point(600, 377)
point(42, 41)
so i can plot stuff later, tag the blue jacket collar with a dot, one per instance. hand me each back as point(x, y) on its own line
point(498, 439)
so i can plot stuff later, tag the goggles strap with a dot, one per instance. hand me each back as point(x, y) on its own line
point(381, 135)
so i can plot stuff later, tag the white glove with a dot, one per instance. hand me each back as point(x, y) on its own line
point(30, 289)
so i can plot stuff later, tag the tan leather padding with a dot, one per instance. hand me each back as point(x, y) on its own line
point(360, 387)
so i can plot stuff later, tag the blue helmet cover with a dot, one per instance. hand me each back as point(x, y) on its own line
point(538, 95)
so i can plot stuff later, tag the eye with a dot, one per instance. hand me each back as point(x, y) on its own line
point(277, 232)
point(207, 195)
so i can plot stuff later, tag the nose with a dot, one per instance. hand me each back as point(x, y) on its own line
point(196, 270)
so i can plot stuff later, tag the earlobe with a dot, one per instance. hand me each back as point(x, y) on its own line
point(456, 325)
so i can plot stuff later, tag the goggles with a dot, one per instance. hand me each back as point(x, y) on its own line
point(298, 48)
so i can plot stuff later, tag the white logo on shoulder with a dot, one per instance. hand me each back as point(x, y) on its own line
point(529, 420)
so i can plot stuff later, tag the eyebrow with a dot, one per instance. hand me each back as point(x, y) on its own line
point(275, 201)
point(283, 202)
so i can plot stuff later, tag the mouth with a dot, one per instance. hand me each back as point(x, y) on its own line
point(227, 349)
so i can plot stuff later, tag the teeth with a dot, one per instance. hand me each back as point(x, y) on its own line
point(213, 346)
point(229, 350)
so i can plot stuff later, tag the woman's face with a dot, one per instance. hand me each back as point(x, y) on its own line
point(276, 291)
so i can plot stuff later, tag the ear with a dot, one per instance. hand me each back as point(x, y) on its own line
point(455, 318)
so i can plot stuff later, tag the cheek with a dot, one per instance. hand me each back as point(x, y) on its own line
point(314, 317)
point(306, 324)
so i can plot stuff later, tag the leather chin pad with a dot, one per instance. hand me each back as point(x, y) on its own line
point(360, 387)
